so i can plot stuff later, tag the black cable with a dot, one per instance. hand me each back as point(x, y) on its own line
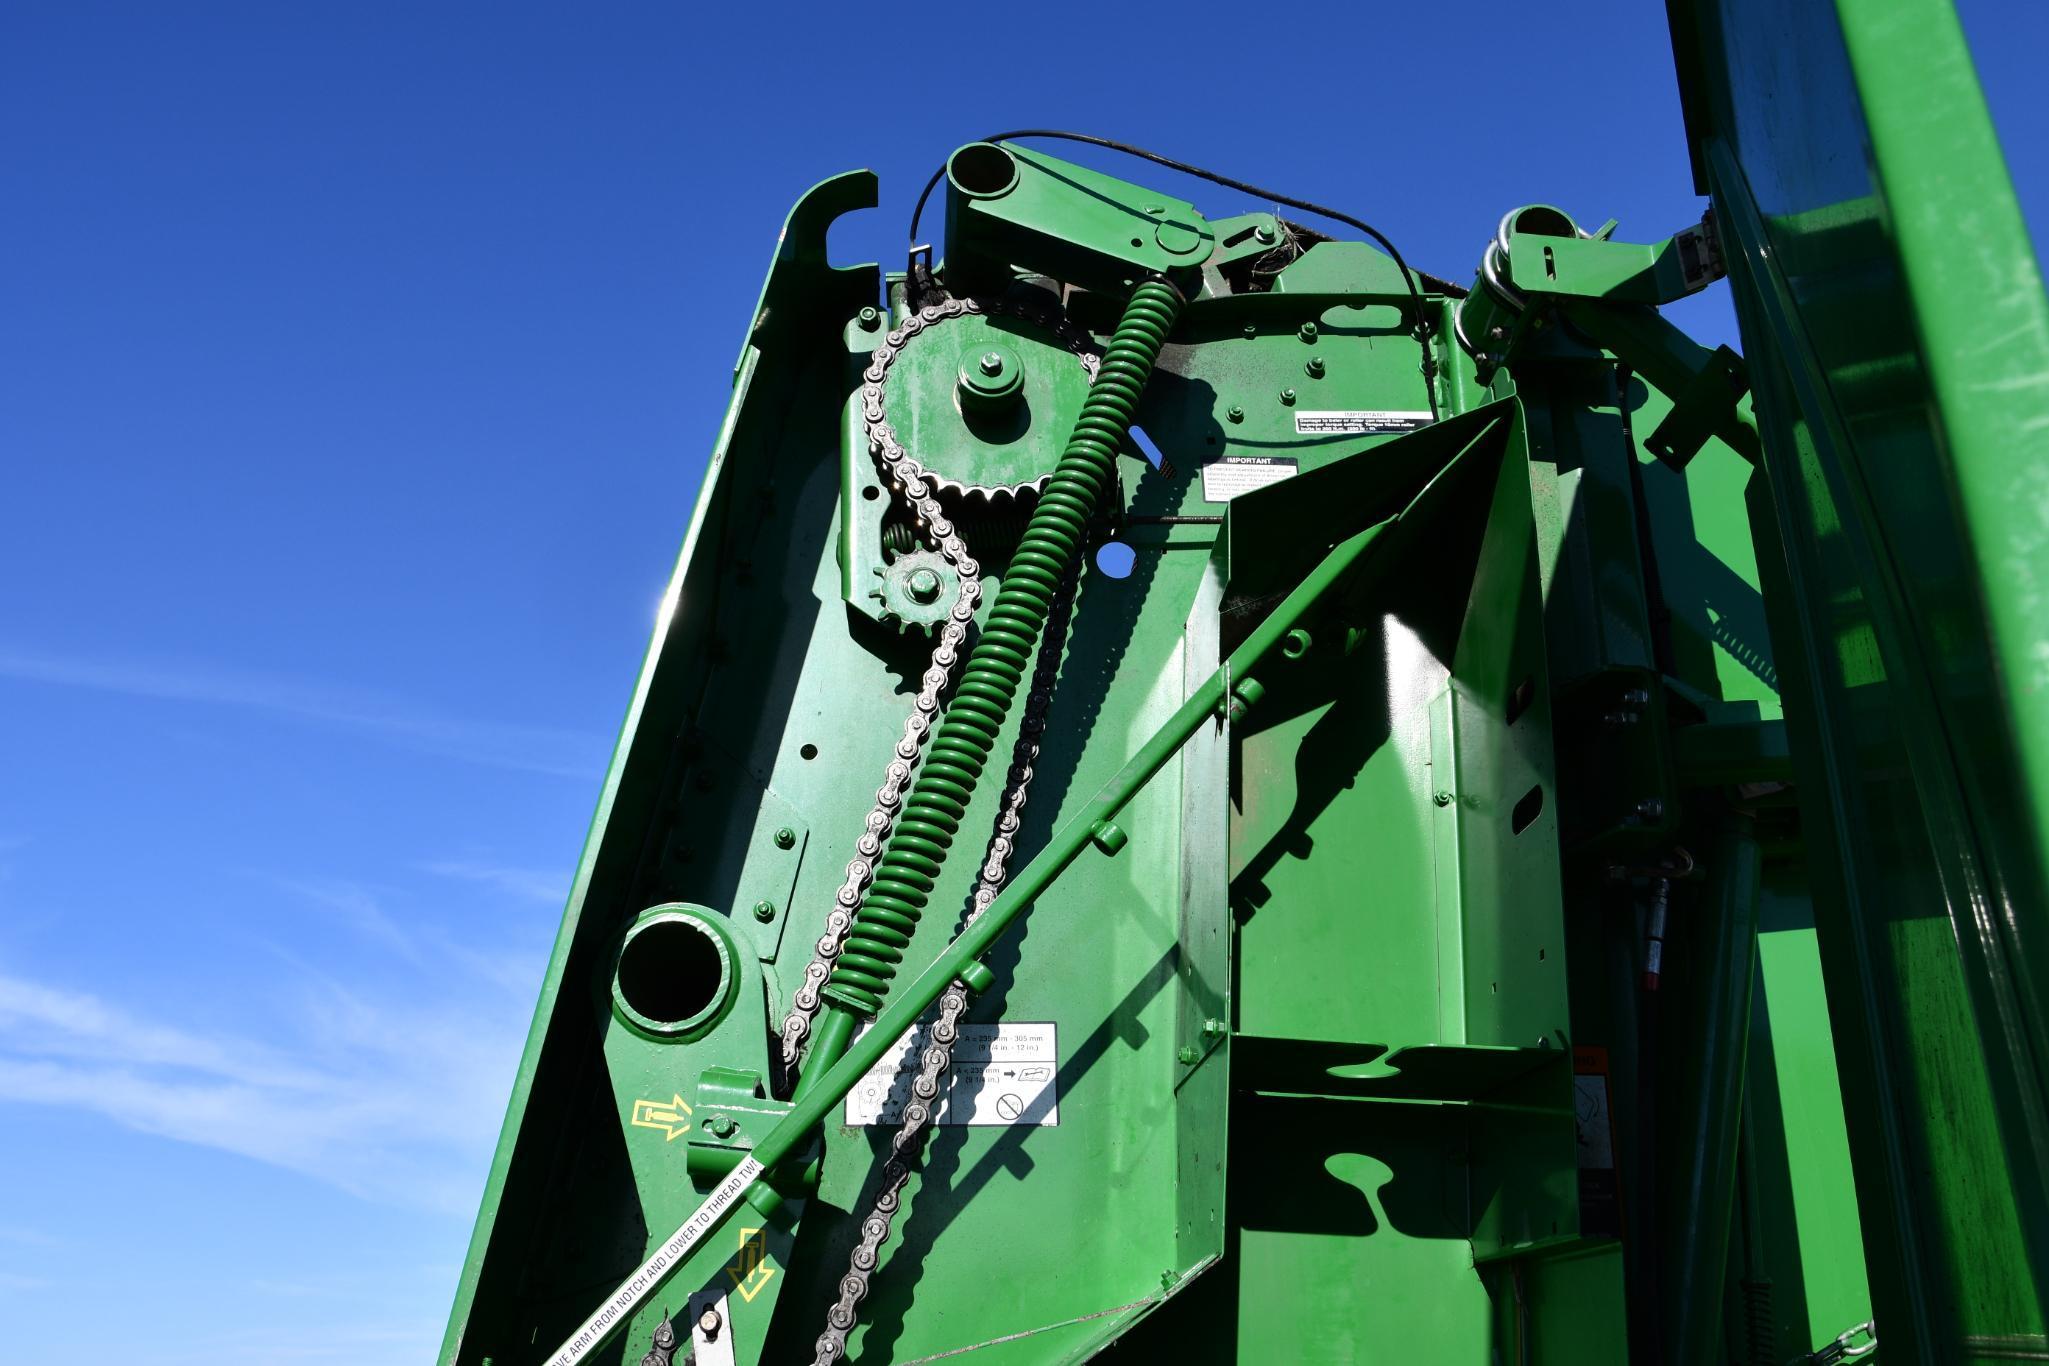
point(1408, 275)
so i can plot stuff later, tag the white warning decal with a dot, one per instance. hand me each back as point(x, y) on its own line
point(1359, 422)
point(664, 1260)
point(1230, 475)
point(1002, 1074)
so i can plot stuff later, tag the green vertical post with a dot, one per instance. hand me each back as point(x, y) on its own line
point(1704, 1141)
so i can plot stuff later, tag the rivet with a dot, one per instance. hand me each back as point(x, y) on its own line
point(1315, 367)
point(1288, 397)
point(1235, 413)
point(1265, 233)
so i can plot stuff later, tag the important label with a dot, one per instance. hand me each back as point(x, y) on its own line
point(1359, 422)
point(1593, 1121)
point(1230, 475)
point(1002, 1074)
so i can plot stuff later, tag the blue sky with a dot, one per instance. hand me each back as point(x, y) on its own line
point(357, 367)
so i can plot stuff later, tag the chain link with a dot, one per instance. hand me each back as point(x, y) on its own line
point(909, 479)
point(935, 1050)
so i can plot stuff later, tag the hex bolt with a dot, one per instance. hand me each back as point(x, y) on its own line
point(1441, 798)
point(1188, 1055)
point(1314, 369)
point(1307, 332)
point(1235, 413)
point(869, 318)
point(723, 1126)
point(764, 911)
point(1265, 233)
point(708, 1324)
point(1288, 397)
point(1251, 329)
point(923, 584)
point(786, 838)
point(1212, 1028)
point(991, 363)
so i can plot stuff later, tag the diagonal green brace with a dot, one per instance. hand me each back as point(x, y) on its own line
point(1344, 567)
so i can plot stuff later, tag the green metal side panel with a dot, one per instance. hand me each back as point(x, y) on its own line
point(1898, 342)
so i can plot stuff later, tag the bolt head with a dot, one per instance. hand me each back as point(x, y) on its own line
point(1235, 413)
point(1314, 368)
point(1251, 330)
point(1266, 234)
point(992, 363)
point(1288, 396)
point(1441, 798)
point(708, 1323)
point(764, 911)
point(869, 318)
point(723, 1125)
point(1188, 1055)
point(922, 585)
point(1307, 332)
point(786, 838)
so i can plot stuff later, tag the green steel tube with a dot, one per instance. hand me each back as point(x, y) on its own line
point(831, 1085)
point(1705, 1140)
point(992, 678)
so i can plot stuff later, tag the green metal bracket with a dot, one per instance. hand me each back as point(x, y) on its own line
point(1617, 787)
point(1618, 272)
point(731, 1112)
point(1705, 405)
point(1680, 368)
point(1010, 207)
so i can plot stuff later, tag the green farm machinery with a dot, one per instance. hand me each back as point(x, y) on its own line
point(1202, 794)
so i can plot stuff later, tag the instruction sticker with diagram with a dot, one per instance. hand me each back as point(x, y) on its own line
point(1002, 1074)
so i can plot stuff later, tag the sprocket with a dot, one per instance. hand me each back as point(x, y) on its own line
point(986, 390)
point(918, 589)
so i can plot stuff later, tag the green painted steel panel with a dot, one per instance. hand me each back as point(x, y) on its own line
point(1538, 860)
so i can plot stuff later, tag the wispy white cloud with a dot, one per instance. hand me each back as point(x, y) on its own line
point(385, 1100)
point(538, 749)
point(359, 909)
point(547, 887)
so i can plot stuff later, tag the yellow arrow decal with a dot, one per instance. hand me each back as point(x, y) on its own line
point(749, 1270)
point(672, 1115)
